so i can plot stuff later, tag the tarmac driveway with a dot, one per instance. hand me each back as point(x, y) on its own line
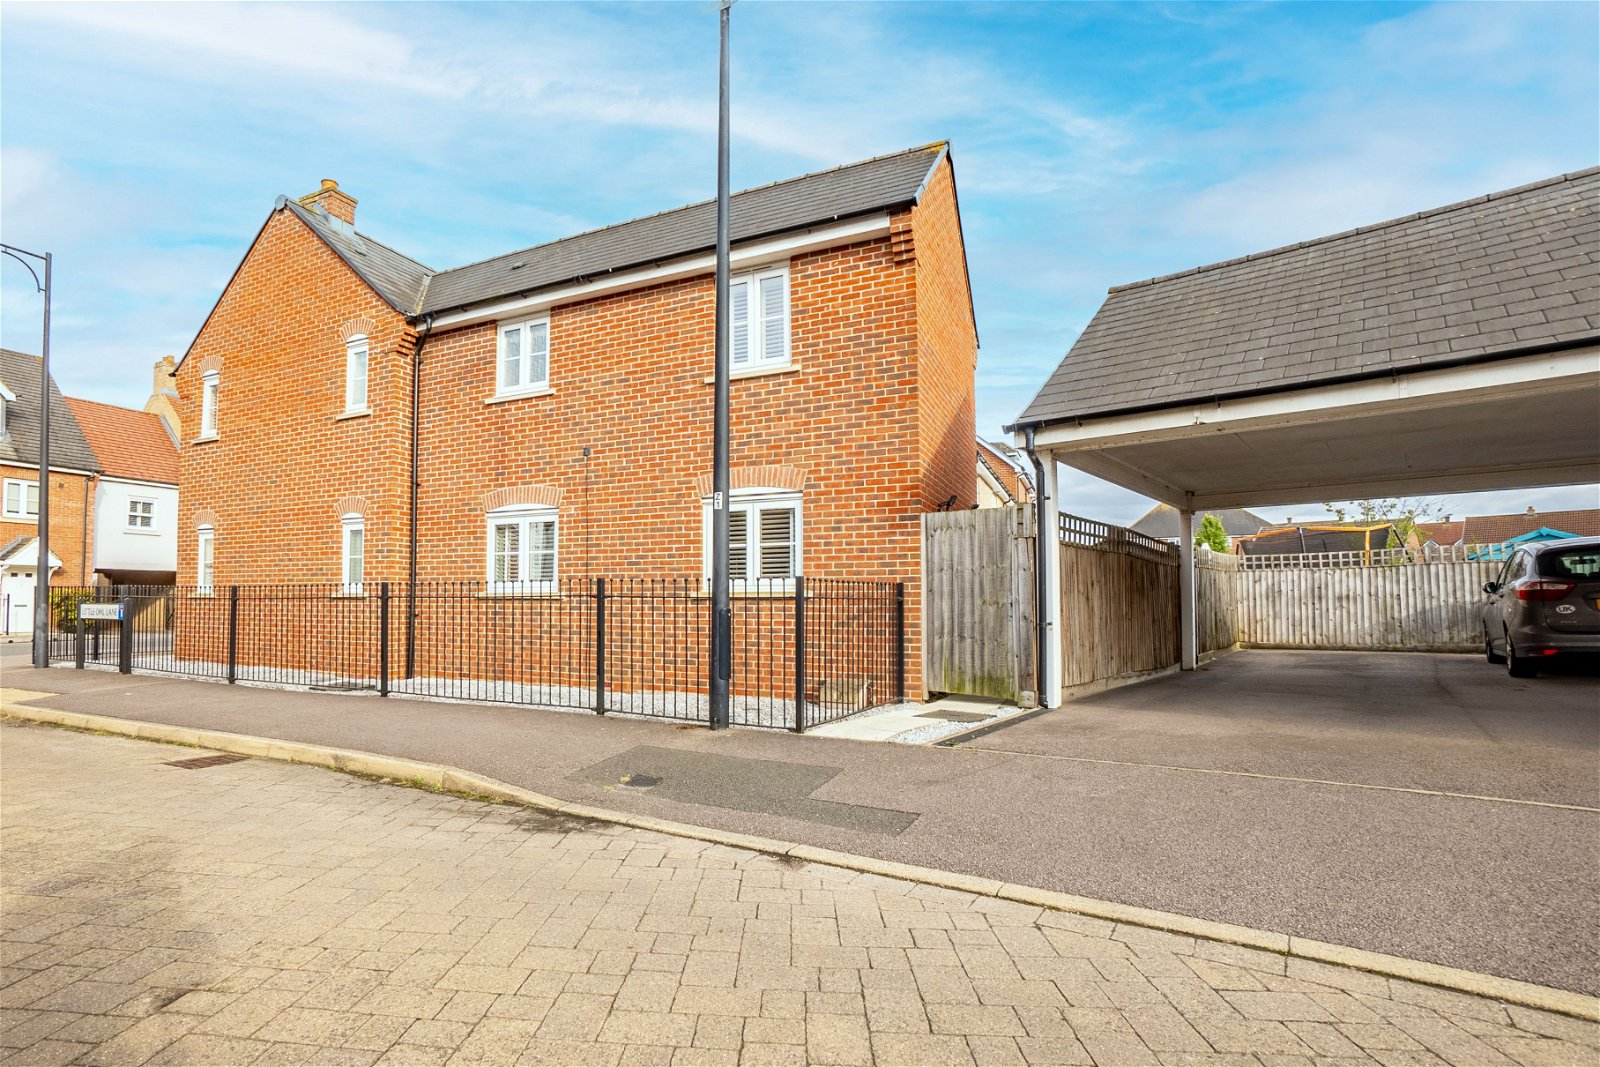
point(1451, 724)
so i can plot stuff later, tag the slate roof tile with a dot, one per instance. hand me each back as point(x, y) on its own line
point(1496, 273)
point(20, 445)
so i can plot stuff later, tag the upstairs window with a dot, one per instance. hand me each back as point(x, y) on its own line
point(203, 559)
point(523, 363)
point(141, 515)
point(21, 500)
point(763, 540)
point(522, 550)
point(353, 552)
point(209, 386)
point(760, 319)
point(355, 375)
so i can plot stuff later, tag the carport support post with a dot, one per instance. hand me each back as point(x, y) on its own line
point(1048, 512)
point(1186, 603)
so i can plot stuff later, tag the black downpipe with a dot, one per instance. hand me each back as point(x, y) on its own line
point(1043, 541)
point(416, 482)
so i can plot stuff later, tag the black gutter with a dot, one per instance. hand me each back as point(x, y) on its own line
point(1043, 542)
point(416, 482)
point(1295, 387)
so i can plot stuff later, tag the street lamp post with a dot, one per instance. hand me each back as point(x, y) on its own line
point(721, 612)
point(41, 572)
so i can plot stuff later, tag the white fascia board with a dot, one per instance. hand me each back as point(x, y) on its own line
point(145, 483)
point(1402, 391)
point(741, 257)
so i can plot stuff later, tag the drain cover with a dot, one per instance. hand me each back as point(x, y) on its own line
point(955, 716)
point(201, 762)
point(640, 781)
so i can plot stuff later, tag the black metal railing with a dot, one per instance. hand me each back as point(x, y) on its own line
point(806, 650)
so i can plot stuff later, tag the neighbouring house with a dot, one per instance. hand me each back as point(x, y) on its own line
point(1443, 533)
point(135, 506)
point(1316, 539)
point(1000, 482)
point(1476, 531)
point(73, 467)
point(351, 416)
point(1161, 522)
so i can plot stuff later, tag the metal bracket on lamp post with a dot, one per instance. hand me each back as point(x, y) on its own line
point(41, 572)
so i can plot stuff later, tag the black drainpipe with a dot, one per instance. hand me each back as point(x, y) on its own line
point(416, 481)
point(1044, 541)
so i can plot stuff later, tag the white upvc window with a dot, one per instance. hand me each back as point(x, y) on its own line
point(355, 375)
point(21, 500)
point(141, 514)
point(210, 384)
point(353, 552)
point(522, 363)
point(203, 559)
point(763, 540)
point(522, 550)
point(760, 319)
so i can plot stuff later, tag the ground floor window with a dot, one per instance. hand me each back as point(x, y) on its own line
point(353, 552)
point(522, 550)
point(203, 559)
point(763, 539)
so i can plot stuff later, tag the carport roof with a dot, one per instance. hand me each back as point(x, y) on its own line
point(1495, 276)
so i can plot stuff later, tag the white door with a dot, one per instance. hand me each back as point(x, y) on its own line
point(17, 589)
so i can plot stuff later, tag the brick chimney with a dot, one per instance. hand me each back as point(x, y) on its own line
point(1531, 512)
point(333, 200)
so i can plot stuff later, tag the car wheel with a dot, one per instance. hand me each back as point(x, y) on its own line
point(1518, 666)
point(1488, 650)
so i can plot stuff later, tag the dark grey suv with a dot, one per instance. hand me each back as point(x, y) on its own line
point(1544, 602)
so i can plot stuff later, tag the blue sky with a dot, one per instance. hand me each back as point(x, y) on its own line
point(1095, 144)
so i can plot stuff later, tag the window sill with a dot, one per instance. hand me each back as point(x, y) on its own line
point(143, 533)
point(757, 372)
point(207, 439)
point(520, 394)
point(203, 594)
point(348, 594)
point(363, 413)
point(20, 518)
point(539, 594)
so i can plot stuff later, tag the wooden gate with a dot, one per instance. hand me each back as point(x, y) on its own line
point(978, 603)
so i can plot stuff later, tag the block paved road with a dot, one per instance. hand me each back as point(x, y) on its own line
point(1492, 885)
point(257, 912)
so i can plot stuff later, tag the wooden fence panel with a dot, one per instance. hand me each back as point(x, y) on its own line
point(978, 603)
point(1419, 607)
point(1216, 601)
point(1120, 614)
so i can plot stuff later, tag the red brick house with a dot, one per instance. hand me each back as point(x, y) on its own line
point(73, 471)
point(350, 415)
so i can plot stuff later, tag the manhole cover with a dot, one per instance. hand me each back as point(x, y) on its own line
point(341, 687)
point(201, 762)
point(955, 716)
point(640, 781)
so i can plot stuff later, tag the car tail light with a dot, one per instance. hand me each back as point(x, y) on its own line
point(1543, 589)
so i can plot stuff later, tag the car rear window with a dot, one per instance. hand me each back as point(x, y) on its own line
point(1570, 563)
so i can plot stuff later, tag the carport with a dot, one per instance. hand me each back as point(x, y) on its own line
point(1456, 349)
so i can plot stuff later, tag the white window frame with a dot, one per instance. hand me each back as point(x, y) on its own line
point(525, 384)
point(757, 354)
point(205, 560)
point(133, 514)
point(357, 346)
point(21, 512)
point(523, 517)
point(752, 502)
point(210, 388)
point(352, 577)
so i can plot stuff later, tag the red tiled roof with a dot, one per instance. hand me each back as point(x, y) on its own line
point(1442, 533)
point(1493, 529)
point(128, 443)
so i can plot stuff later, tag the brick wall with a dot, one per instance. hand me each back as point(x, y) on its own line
point(284, 462)
point(71, 523)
